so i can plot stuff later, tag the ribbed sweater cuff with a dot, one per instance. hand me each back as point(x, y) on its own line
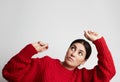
point(27, 51)
point(101, 45)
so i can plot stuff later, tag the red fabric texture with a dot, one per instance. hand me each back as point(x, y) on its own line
point(23, 68)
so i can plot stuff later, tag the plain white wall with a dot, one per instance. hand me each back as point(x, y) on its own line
point(58, 23)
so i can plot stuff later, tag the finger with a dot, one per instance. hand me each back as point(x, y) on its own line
point(87, 33)
point(41, 43)
point(95, 33)
point(45, 46)
point(90, 32)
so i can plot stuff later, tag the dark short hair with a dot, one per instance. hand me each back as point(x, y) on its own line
point(86, 45)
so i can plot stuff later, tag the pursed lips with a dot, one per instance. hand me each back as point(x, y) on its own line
point(70, 59)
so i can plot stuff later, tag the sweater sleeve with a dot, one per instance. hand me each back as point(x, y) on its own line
point(105, 69)
point(15, 69)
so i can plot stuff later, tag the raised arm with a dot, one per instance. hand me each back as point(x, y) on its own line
point(105, 69)
point(18, 65)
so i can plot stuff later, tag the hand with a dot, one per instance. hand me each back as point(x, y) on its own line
point(92, 36)
point(40, 46)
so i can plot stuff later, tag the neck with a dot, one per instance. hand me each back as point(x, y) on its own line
point(67, 66)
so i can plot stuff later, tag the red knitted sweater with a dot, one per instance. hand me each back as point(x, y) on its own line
point(23, 68)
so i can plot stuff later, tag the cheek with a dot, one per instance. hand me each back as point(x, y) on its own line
point(68, 52)
point(80, 60)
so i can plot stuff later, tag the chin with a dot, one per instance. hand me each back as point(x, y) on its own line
point(69, 63)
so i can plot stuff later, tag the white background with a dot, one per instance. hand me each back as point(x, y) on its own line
point(58, 23)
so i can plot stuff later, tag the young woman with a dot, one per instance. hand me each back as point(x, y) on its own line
point(23, 68)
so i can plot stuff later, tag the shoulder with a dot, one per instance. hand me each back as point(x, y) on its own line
point(46, 59)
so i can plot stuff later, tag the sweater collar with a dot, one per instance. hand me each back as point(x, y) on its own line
point(63, 69)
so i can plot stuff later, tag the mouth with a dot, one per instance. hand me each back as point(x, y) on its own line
point(69, 59)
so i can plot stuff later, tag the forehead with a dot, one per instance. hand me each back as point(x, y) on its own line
point(79, 46)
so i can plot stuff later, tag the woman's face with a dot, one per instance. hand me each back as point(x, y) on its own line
point(75, 55)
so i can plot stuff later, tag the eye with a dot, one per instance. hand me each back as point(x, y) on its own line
point(73, 48)
point(80, 53)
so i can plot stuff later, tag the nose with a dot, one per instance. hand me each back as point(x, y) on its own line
point(73, 54)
